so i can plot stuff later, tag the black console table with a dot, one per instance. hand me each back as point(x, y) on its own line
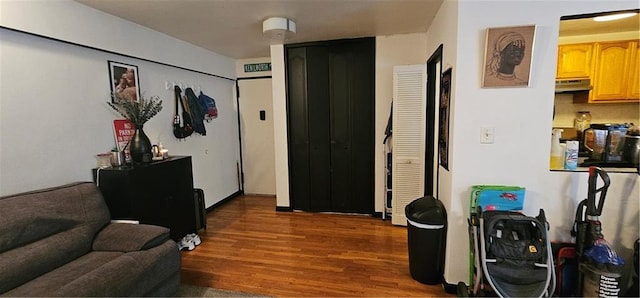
point(158, 193)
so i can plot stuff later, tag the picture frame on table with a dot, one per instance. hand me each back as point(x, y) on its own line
point(508, 56)
point(124, 81)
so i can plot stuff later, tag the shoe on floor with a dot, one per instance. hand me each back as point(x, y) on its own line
point(186, 243)
point(193, 237)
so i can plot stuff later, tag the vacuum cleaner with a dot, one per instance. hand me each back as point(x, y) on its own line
point(599, 267)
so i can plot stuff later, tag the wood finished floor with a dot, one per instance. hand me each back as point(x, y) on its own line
point(249, 247)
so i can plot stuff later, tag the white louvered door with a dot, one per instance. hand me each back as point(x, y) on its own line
point(409, 110)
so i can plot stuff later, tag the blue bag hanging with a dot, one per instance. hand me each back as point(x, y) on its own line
point(208, 105)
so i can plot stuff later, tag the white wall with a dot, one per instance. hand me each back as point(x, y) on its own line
point(600, 113)
point(444, 30)
point(53, 113)
point(279, 91)
point(522, 121)
point(71, 21)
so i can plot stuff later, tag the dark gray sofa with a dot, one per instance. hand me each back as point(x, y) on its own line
point(60, 242)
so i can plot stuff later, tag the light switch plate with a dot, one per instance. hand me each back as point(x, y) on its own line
point(487, 134)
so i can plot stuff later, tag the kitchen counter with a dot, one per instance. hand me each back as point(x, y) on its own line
point(608, 170)
point(631, 170)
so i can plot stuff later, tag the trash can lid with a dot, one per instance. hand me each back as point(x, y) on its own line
point(426, 210)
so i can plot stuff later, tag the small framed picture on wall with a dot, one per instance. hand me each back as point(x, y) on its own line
point(507, 60)
point(123, 79)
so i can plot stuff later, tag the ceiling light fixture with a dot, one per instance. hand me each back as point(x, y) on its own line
point(278, 28)
point(612, 17)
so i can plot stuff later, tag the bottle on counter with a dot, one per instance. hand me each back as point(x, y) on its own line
point(571, 155)
point(556, 161)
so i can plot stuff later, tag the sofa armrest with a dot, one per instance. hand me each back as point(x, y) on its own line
point(126, 237)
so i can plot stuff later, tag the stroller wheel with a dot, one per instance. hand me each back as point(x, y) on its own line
point(461, 290)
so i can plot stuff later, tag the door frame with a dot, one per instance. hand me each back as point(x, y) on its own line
point(433, 85)
point(241, 166)
point(287, 47)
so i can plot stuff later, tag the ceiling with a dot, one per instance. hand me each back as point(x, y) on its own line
point(234, 27)
point(586, 25)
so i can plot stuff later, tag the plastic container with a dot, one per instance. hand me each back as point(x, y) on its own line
point(104, 160)
point(117, 158)
point(571, 155)
point(582, 121)
point(556, 161)
point(426, 239)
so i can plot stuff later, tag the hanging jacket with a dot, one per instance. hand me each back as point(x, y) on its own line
point(196, 112)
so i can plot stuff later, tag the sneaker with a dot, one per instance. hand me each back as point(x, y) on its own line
point(186, 243)
point(194, 238)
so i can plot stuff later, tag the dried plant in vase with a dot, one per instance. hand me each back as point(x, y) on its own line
point(138, 112)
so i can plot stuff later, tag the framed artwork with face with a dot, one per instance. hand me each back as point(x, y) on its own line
point(508, 54)
point(124, 82)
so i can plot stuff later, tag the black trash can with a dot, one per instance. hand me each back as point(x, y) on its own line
point(427, 233)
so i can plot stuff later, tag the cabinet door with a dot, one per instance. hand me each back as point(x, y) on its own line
point(611, 72)
point(574, 60)
point(633, 92)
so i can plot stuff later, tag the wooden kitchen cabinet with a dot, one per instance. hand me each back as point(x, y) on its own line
point(612, 70)
point(158, 193)
point(613, 67)
point(633, 92)
point(575, 61)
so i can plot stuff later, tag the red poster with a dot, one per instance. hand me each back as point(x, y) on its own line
point(123, 131)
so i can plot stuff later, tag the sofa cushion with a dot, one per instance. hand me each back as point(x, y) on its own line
point(44, 229)
point(127, 237)
point(100, 273)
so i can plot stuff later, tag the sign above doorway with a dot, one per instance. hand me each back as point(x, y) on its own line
point(257, 67)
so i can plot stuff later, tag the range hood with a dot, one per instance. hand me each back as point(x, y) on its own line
point(573, 85)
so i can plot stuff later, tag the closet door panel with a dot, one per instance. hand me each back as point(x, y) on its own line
point(319, 123)
point(299, 157)
point(362, 118)
point(341, 130)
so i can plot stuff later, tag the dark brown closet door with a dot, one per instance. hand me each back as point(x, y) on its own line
point(331, 112)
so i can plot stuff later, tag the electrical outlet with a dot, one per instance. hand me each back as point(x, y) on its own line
point(486, 135)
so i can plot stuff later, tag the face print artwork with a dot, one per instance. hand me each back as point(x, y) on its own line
point(508, 56)
point(124, 81)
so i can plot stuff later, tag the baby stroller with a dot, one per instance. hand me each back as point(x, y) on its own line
point(511, 252)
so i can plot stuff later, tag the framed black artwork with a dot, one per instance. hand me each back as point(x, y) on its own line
point(443, 117)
